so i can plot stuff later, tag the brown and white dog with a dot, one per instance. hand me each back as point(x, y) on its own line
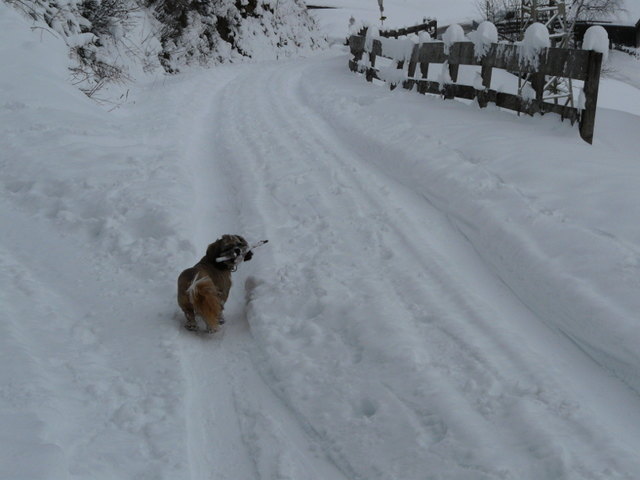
point(204, 288)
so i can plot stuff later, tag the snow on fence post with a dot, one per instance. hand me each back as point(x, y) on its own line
point(596, 40)
point(484, 52)
point(371, 39)
point(454, 35)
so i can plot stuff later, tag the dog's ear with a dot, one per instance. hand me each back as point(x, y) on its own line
point(240, 241)
point(213, 250)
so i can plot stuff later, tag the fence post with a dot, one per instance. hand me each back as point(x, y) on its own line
point(424, 69)
point(454, 68)
point(356, 46)
point(413, 63)
point(411, 71)
point(591, 84)
point(424, 72)
point(537, 83)
point(486, 71)
point(371, 69)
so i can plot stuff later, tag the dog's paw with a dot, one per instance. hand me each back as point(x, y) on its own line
point(192, 327)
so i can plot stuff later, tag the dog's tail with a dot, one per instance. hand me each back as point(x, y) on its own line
point(203, 295)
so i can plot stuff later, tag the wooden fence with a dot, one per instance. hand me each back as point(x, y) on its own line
point(428, 26)
point(576, 64)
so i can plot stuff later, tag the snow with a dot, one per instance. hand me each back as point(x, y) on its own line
point(392, 75)
point(482, 38)
point(453, 34)
point(448, 292)
point(399, 49)
point(445, 77)
point(536, 37)
point(596, 38)
point(372, 34)
point(627, 14)
point(398, 13)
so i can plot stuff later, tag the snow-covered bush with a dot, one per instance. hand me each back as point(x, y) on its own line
point(115, 40)
point(218, 31)
point(96, 33)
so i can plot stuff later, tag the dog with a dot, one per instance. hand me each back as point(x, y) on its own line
point(204, 288)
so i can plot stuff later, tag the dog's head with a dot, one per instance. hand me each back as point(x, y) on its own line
point(228, 251)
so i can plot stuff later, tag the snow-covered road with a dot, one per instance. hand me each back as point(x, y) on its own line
point(381, 327)
point(433, 302)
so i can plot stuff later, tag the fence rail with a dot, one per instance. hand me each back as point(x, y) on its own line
point(584, 65)
point(430, 27)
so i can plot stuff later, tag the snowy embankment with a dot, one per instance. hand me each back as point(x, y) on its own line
point(447, 292)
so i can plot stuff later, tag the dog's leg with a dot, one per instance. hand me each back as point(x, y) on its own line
point(212, 322)
point(190, 324)
point(221, 316)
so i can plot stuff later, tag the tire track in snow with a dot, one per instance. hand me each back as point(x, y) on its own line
point(306, 143)
point(309, 184)
point(237, 427)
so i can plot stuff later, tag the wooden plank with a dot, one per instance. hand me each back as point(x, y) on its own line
point(408, 84)
point(370, 71)
point(424, 27)
point(549, 61)
point(429, 86)
point(514, 102)
point(424, 69)
point(356, 44)
point(564, 111)
point(537, 83)
point(454, 68)
point(462, 53)
point(413, 63)
point(463, 91)
point(432, 52)
point(591, 84)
